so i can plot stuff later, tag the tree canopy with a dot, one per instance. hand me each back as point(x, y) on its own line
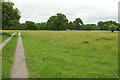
point(78, 23)
point(10, 16)
point(58, 22)
point(105, 25)
point(112, 27)
point(30, 25)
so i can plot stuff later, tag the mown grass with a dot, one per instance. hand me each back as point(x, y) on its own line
point(7, 56)
point(71, 54)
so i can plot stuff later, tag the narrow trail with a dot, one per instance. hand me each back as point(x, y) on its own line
point(19, 69)
point(6, 41)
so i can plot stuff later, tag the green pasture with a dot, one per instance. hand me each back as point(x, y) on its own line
point(71, 54)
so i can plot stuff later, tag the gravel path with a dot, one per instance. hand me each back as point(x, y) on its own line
point(6, 41)
point(19, 69)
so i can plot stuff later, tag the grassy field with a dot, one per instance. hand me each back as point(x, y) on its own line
point(71, 54)
point(4, 34)
point(8, 55)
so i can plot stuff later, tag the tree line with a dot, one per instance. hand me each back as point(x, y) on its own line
point(11, 17)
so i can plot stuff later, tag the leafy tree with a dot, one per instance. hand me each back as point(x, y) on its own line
point(62, 21)
point(78, 23)
point(10, 16)
point(51, 23)
point(42, 26)
point(91, 27)
point(87, 27)
point(71, 26)
point(57, 22)
point(29, 25)
point(22, 26)
point(38, 26)
point(105, 25)
point(95, 27)
point(100, 25)
point(112, 27)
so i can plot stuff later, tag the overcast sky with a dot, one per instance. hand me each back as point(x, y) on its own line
point(90, 11)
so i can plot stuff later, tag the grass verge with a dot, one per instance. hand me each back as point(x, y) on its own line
point(8, 55)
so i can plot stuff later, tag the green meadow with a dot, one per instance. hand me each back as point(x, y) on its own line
point(71, 54)
point(65, 42)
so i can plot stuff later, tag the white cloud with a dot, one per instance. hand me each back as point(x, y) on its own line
point(90, 11)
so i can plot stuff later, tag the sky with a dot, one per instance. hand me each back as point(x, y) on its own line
point(90, 11)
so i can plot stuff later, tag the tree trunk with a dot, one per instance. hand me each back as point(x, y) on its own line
point(112, 30)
